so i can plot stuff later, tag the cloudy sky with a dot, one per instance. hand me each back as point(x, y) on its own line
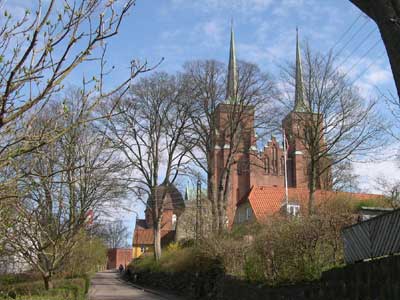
point(182, 30)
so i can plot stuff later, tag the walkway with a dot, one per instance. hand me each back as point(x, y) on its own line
point(107, 286)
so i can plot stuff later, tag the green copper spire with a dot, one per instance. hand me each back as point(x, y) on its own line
point(231, 89)
point(299, 101)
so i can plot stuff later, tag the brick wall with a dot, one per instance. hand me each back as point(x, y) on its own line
point(118, 256)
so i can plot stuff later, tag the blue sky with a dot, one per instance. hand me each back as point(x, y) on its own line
point(182, 30)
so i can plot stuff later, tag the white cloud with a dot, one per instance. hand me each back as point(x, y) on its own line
point(378, 75)
point(245, 6)
point(252, 53)
point(370, 172)
point(15, 8)
point(285, 7)
point(213, 31)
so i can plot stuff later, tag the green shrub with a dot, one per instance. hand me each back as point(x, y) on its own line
point(87, 254)
point(72, 289)
point(9, 279)
point(253, 268)
point(173, 259)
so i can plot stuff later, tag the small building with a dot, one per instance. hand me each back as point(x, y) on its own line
point(117, 257)
point(143, 240)
point(263, 202)
point(143, 236)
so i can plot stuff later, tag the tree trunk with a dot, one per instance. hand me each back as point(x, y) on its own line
point(386, 14)
point(212, 196)
point(48, 284)
point(221, 211)
point(311, 186)
point(157, 240)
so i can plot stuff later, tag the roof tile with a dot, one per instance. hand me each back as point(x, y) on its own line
point(266, 201)
point(146, 236)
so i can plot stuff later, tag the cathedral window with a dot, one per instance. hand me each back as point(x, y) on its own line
point(248, 213)
point(266, 165)
point(274, 160)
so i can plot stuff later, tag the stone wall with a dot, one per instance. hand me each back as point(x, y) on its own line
point(374, 280)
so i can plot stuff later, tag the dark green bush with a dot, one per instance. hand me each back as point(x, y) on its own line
point(71, 289)
point(253, 268)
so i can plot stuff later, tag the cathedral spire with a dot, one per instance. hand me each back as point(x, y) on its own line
point(299, 102)
point(231, 89)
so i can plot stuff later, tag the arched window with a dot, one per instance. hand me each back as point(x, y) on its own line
point(274, 159)
point(282, 165)
point(173, 221)
point(266, 165)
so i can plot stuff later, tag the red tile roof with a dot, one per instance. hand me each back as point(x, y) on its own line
point(146, 236)
point(266, 201)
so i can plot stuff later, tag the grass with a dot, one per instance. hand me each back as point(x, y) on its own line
point(64, 289)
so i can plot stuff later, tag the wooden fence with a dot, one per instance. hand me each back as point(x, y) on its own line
point(373, 238)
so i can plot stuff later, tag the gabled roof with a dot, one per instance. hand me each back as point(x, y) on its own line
point(266, 201)
point(170, 196)
point(146, 236)
point(141, 224)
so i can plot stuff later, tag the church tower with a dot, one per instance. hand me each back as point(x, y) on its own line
point(294, 125)
point(233, 139)
point(237, 164)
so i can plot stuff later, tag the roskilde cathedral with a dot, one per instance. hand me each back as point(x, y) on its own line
point(257, 178)
point(266, 168)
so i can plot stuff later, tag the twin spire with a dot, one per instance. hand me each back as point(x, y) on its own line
point(300, 104)
point(231, 89)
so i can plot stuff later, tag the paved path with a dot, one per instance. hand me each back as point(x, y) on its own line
point(107, 286)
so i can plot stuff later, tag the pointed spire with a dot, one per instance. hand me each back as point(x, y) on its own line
point(299, 102)
point(231, 89)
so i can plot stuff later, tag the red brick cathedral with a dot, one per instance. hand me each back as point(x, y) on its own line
point(256, 186)
point(254, 168)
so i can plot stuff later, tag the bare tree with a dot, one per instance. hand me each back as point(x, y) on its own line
point(334, 125)
point(40, 50)
point(149, 130)
point(386, 14)
point(58, 185)
point(391, 189)
point(207, 87)
point(343, 177)
point(114, 234)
